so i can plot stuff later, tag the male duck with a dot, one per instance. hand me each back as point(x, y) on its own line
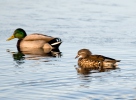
point(35, 40)
point(88, 61)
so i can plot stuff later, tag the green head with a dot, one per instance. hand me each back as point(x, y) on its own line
point(18, 33)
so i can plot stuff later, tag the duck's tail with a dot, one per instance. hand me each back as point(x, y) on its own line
point(118, 60)
point(55, 43)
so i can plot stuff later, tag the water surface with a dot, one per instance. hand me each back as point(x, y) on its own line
point(105, 27)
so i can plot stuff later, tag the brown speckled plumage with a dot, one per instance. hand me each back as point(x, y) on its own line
point(87, 63)
point(94, 62)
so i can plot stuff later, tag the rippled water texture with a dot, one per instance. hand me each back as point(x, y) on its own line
point(106, 27)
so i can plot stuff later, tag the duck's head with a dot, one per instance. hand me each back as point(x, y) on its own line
point(83, 53)
point(18, 33)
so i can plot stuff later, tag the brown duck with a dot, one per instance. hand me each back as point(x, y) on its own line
point(94, 62)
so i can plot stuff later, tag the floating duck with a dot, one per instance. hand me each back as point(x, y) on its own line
point(94, 62)
point(35, 41)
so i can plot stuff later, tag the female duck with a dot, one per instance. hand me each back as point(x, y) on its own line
point(88, 61)
point(35, 40)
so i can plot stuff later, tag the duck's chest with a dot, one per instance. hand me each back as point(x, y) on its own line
point(86, 63)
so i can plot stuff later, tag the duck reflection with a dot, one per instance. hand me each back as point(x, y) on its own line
point(82, 71)
point(33, 54)
point(87, 71)
point(18, 57)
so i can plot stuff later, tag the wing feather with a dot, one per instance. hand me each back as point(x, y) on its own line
point(102, 58)
point(37, 36)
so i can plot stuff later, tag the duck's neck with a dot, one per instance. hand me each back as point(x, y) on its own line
point(18, 44)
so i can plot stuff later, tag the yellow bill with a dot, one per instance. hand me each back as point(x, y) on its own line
point(12, 37)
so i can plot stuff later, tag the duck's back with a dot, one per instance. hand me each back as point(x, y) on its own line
point(37, 36)
point(35, 41)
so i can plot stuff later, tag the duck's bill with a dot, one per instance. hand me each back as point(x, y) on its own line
point(12, 37)
point(77, 56)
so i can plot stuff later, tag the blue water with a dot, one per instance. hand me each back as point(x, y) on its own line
point(105, 27)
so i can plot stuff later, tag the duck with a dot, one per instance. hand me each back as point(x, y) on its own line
point(88, 61)
point(34, 41)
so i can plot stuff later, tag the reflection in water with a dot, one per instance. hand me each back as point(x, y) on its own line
point(86, 76)
point(18, 57)
point(33, 54)
point(82, 71)
point(86, 71)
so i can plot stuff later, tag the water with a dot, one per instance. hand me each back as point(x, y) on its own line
point(105, 27)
